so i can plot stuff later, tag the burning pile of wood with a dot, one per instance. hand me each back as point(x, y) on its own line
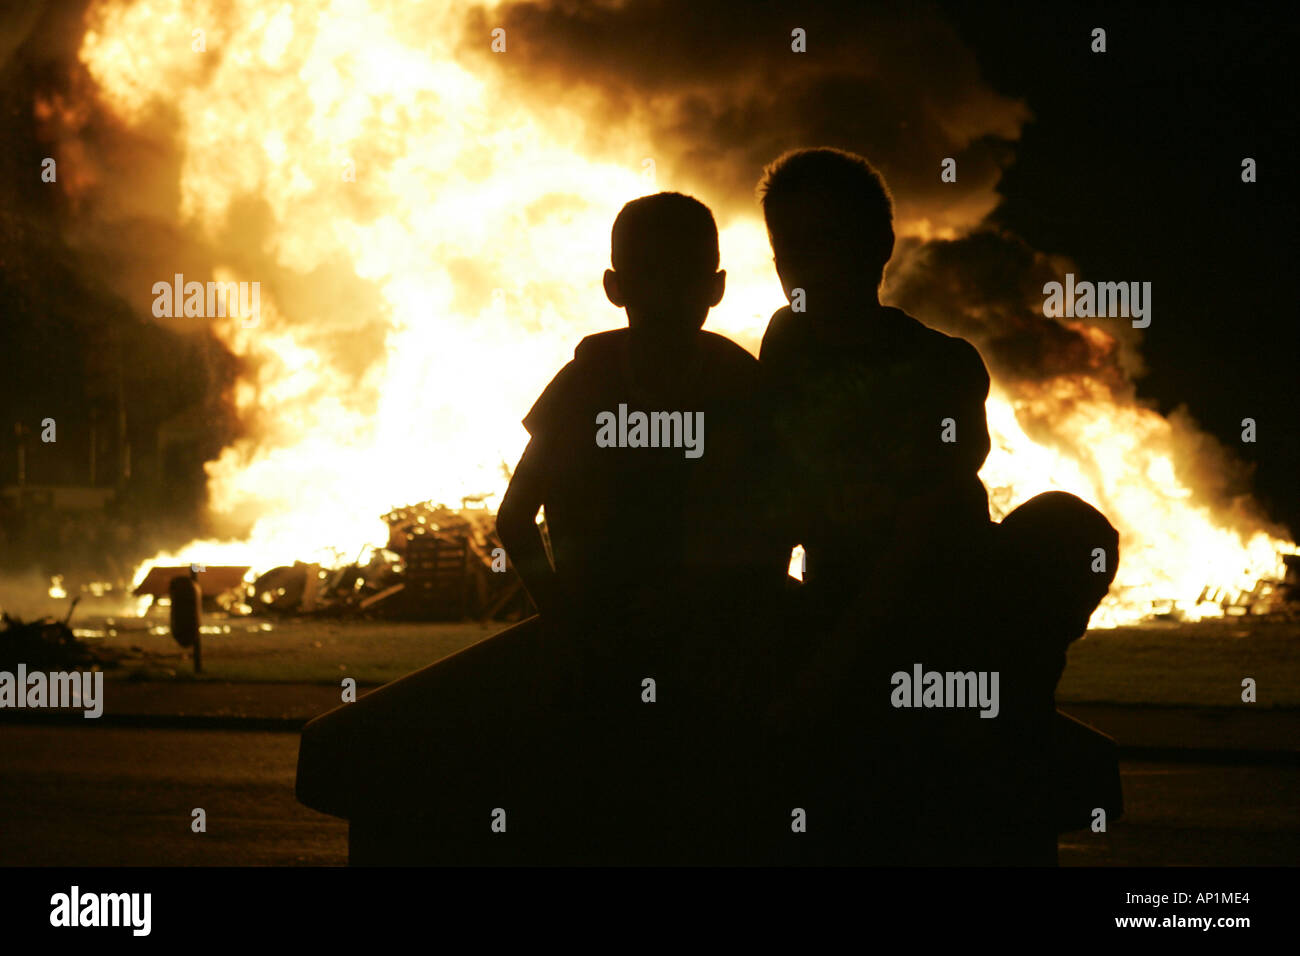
point(1268, 598)
point(440, 563)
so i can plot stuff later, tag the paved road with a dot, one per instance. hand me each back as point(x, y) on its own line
point(119, 796)
point(112, 796)
point(1187, 814)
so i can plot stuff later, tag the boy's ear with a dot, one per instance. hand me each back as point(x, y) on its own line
point(612, 290)
point(717, 286)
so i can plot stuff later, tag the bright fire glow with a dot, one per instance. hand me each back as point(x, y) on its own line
point(1120, 461)
point(477, 238)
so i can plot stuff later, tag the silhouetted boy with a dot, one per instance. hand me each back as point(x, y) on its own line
point(647, 454)
point(865, 392)
point(600, 736)
point(882, 425)
point(646, 450)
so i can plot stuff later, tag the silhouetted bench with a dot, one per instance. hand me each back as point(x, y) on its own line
point(470, 761)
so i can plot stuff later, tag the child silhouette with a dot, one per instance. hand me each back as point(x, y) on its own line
point(883, 432)
point(648, 453)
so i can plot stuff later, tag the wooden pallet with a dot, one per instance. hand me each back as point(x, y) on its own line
point(437, 576)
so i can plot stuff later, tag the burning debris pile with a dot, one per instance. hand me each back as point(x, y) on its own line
point(439, 563)
point(454, 561)
point(1270, 598)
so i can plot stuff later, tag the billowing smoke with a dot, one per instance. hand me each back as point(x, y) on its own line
point(72, 349)
point(712, 92)
point(715, 92)
point(987, 287)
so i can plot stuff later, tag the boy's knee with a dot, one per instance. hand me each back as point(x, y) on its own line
point(1062, 550)
point(1057, 527)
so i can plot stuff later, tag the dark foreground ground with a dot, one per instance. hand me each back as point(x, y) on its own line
point(1209, 779)
point(118, 796)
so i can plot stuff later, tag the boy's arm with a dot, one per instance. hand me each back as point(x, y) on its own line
point(956, 465)
point(973, 421)
point(517, 525)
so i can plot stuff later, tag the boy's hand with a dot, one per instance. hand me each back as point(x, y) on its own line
point(547, 594)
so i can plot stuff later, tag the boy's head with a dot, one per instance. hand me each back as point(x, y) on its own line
point(830, 218)
point(664, 249)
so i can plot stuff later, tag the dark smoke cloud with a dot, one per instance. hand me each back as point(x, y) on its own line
point(72, 346)
point(719, 92)
point(716, 93)
point(988, 287)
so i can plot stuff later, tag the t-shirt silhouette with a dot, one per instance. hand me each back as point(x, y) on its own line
point(861, 403)
point(649, 531)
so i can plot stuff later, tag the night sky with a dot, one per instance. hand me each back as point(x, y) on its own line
point(1132, 167)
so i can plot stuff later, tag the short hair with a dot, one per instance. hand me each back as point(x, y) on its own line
point(857, 188)
point(667, 234)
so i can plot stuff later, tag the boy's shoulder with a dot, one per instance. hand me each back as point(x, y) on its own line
point(960, 358)
point(724, 360)
point(596, 376)
point(956, 355)
point(576, 386)
point(727, 360)
point(599, 344)
point(791, 335)
point(726, 349)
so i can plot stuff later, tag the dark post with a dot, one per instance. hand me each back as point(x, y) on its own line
point(187, 602)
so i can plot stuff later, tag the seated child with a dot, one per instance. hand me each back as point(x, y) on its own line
point(882, 430)
point(648, 454)
point(647, 450)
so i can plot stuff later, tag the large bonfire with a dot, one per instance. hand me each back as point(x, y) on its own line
point(412, 214)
